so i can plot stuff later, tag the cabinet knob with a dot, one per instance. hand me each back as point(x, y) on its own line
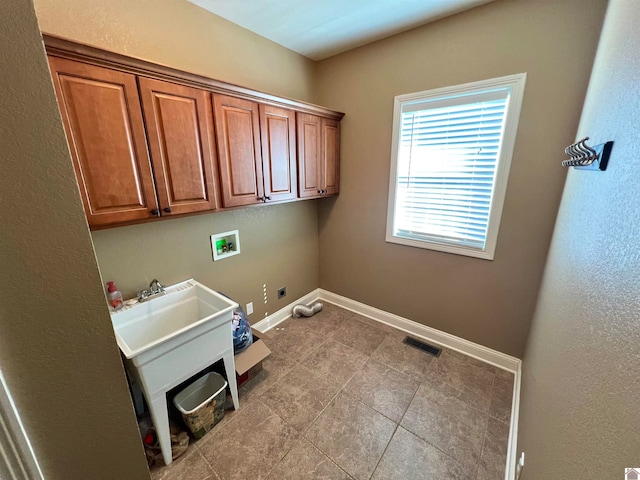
point(167, 209)
point(155, 212)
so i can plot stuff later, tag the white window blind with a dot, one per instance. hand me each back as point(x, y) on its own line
point(449, 150)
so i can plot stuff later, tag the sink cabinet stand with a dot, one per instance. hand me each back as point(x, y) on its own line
point(160, 371)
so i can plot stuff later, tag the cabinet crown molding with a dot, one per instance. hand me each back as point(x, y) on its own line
point(69, 49)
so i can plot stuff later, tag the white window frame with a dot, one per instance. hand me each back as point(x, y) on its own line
point(516, 84)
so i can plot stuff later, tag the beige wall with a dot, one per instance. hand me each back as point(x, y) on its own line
point(488, 302)
point(279, 243)
point(279, 247)
point(57, 348)
point(580, 410)
point(181, 35)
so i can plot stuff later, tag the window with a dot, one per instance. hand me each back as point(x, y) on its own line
point(450, 159)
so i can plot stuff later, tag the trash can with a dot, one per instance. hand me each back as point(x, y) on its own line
point(202, 403)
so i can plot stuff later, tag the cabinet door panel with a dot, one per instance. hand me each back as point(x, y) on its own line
point(239, 154)
point(103, 121)
point(278, 152)
point(331, 156)
point(309, 155)
point(179, 125)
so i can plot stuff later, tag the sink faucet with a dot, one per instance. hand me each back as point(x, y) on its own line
point(155, 289)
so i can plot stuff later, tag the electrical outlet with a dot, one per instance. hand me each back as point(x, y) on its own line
point(282, 292)
point(249, 308)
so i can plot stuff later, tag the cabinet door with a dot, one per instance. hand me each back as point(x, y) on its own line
point(330, 164)
point(238, 138)
point(103, 121)
point(309, 155)
point(179, 127)
point(278, 133)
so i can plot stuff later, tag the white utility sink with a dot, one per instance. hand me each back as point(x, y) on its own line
point(169, 338)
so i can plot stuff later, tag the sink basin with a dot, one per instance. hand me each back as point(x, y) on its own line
point(168, 339)
point(185, 306)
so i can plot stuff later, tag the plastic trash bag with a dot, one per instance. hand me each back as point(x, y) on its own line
point(242, 336)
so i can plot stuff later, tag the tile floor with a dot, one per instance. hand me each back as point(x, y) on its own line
point(342, 398)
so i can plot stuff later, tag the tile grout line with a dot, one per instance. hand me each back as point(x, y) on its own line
point(435, 446)
point(302, 433)
point(461, 390)
point(215, 472)
point(394, 432)
point(303, 437)
point(342, 390)
point(293, 443)
point(384, 451)
point(432, 444)
point(327, 456)
point(371, 407)
point(486, 430)
point(418, 436)
point(298, 361)
point(360, 401)
point(321, 451)
point(302, 359)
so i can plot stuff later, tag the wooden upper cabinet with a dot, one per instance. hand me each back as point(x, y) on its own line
point(103, 121)
point(278, 135)
point(180, 134)
point(309, 155)
point(239, 151)
point(330, 156)
point(318, 155)
point(150, 141)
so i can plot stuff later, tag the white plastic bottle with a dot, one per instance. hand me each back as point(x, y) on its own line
point(114, 295)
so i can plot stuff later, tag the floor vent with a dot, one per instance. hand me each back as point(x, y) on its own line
point(435, 351)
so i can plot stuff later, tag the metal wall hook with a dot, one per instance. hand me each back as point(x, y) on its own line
point(592, 152)
point(583, 156)
point(588, 154)
point(573, 151)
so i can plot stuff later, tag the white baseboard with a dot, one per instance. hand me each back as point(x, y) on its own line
point(479, 352)
point(485, 354)
point(498, 359)
point(512, 448)
point(285, 312)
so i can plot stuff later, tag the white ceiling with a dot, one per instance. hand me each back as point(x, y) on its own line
point(321, 28)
